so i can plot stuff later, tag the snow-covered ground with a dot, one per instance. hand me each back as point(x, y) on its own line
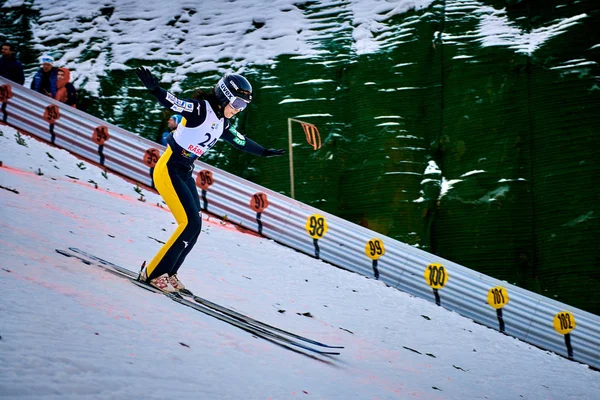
point(73, 331)
point(198, 36)
point(91, 37)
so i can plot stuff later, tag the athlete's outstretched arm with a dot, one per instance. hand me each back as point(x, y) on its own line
point(193, 111)
point(239, 141)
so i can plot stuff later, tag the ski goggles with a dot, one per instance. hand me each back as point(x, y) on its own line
point(48, 60)
point(238, 103)
point(235, 102)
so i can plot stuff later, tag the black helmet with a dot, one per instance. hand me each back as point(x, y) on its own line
point(234, 89)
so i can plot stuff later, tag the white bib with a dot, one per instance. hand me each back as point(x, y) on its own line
point(200, 139)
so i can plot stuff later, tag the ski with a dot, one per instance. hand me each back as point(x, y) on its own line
point(215, 306)
point(252, 321)
point(254, 330)
point(255, 327)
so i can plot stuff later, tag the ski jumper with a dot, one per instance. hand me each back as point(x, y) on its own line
point(199, 130)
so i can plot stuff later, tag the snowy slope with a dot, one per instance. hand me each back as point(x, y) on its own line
point(73, 331)
point(197, 36)
point(201, 35)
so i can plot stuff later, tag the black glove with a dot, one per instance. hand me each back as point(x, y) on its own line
point(147, 78)
point(273, 152)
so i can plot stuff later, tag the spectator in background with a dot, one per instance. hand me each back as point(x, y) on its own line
point(65, 91)
point(45, 78)
point(10, 67)
point(171, 126)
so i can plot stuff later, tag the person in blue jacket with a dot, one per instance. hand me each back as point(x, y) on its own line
point(171, 126)
point(205, 121)
point(45, 78)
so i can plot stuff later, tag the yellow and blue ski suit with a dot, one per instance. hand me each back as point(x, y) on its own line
point(203, 124)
